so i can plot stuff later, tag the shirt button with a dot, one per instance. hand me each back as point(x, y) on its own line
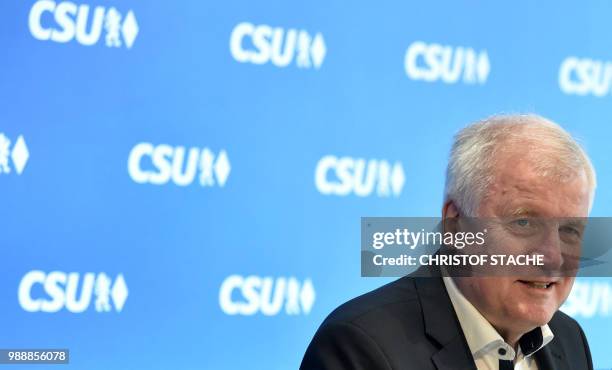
point(501, 351)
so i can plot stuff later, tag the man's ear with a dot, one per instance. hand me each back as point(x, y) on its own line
point(450, 216)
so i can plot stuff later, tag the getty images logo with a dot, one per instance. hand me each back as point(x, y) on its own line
point(262, 44)
point(160, 164)
point(64, 21)
point(585, 76)
point(449, 64)
point(42, 292)
point(16, 152)
point(267, 295)
point(346, 175)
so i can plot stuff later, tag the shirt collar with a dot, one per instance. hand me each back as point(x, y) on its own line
point(482, 337)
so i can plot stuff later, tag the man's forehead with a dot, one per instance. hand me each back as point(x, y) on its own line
point(520, 190)
point(527, 208)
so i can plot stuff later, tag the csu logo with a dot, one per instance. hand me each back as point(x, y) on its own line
point(42, 292)
point(17, 153)
point(262, 44)
point(346, 175)
point(65, 21)
point(585, 76)
point(160, 164)
point(434, 62)
point(252, 294)
point(589, 299)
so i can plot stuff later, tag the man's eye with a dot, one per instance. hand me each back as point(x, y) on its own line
point(522, 222)
point(570, 230)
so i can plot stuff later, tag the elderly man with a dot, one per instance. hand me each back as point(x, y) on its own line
point(505, 166)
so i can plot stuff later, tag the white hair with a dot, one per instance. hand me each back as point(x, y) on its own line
point(552, 150)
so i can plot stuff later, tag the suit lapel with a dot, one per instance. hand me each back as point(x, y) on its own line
point(442, 325)
point(454, 355)
point(551, 357)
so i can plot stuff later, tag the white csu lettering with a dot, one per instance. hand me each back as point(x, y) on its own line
point(39, 291)
point(178, 164)
point(277, 45)
point(433, 62)
point(589, 299)
point(66, 27)
point(358, 176)
point(252, 294)
point(585, 76)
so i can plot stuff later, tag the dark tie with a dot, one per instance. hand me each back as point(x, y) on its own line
point(506, 365)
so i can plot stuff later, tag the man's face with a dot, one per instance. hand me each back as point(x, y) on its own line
point(517, 304)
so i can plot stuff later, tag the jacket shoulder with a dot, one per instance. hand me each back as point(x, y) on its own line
point(382, 329)
point(377, 304)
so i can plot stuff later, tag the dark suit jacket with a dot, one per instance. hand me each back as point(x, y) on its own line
point(411, 324)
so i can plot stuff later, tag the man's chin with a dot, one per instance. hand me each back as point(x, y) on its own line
point(534, 315)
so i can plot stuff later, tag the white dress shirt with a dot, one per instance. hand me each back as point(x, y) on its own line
point(485, 343)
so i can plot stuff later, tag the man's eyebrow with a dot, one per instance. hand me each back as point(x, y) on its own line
point(579, 222)
point(522, 211)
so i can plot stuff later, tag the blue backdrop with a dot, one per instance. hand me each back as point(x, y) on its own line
point(182, 182)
